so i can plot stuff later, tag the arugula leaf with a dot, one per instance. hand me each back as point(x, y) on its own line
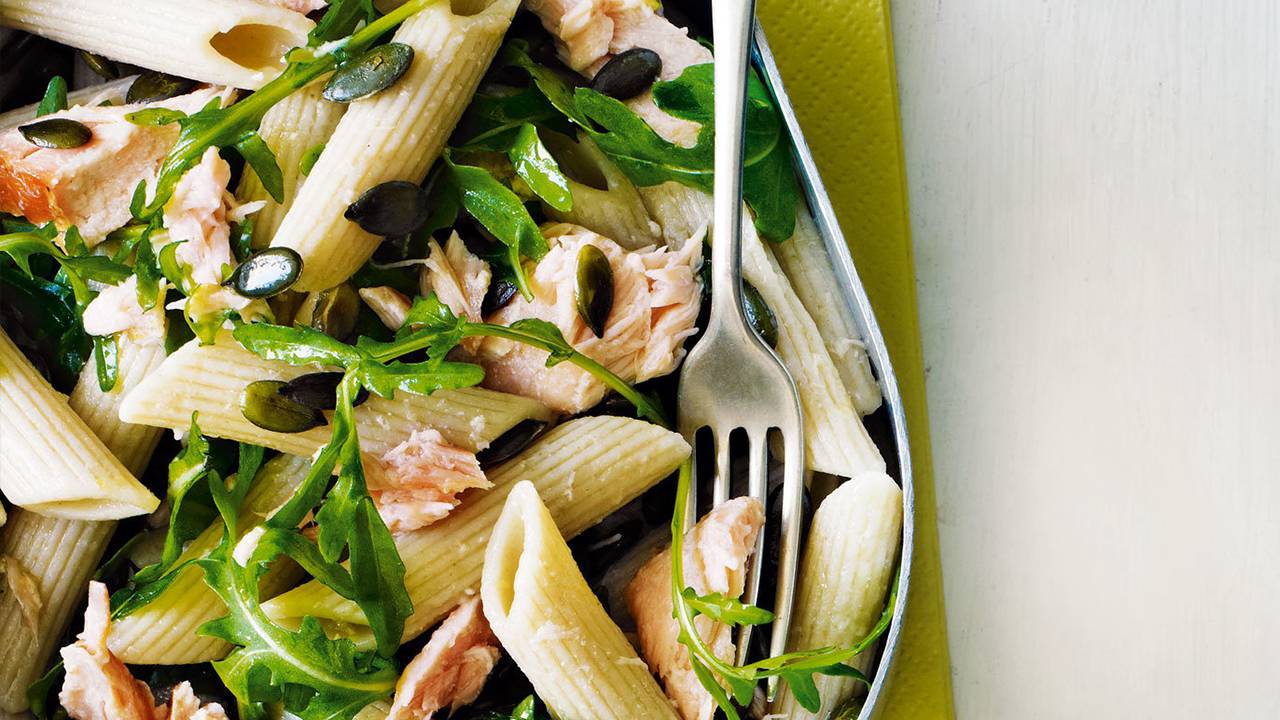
point(341, 19)
point(255, 151)
point(492, 119)
point(40, 692)
point(55, 97)
point(527, 709)
point(300, 345)
point(556, 88)
point(188, 516)
point(154, 117)
point(310, 158)
point(502, 213)
point(106, 361)
point(46, 313)
point(721, 608)
point(533, 163)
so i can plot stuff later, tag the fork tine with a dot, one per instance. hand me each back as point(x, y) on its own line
point(691, 500)
point(724, 469)
point(758, 488)
point(789, 551)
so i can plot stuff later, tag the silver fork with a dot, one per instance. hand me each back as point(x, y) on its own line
point(731, 379)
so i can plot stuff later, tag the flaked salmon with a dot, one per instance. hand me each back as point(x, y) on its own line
point(298, 6)
point(452, 668)
point(100, 687)
point(716, 551)
point(419, 481)
point(456, 276)
point(89, 186)
point(655, 308)
point(116, 309)
point(198, 217)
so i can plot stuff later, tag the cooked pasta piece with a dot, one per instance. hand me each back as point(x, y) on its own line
point(113, 91)
point(210, 378)
point(52, 462)
point(604, 200)
point(164, 631)
point(394, 135)
point(584, 469)
point(61, 554)
point(296, 126)
point(847, 567)
point(227, 42)
point(547, 618)
point(835, 440)
point(805, 260)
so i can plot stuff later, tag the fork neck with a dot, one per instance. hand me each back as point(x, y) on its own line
point(732, 20)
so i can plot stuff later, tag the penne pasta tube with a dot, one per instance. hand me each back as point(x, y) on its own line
point(210, 378)
point(113, 91)
point(394, 135)
point(847, 567)
point(604, 200)
point(52, 462)
point(554, 627)
point(584, 469)
point(835, 440)
point(62, 554)
point(239, 43)
point(293, 128)
point(164, 631)
point(807, 265)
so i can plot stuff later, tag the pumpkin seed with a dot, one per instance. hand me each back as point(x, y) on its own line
point(319, 390)
point(262, 404)
point(57, 133)
point(628, 74)
point(390, 209)
point(372, 72)
point(510, 443)
point(103, 67)
point(266, 273)
point(335, 311)
point(500, 293)
point(759, 315)
point(594, 294)
point(156, 86)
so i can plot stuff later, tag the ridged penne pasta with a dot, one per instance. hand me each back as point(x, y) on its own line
point(164, 631)
point(604, 200)
point(92, 95)
point(847, 567)
point(210, 378)
point(394, 135)
point(60, 553)
point(540, 607)
point(835, 440)
point(52, 462)
point(805, 261)
point(238, 43)
point(583, 469)
point(291, 129)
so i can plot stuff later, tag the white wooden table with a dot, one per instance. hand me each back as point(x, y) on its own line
point(1095, 190)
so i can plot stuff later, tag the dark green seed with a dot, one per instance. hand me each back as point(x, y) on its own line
point(336, 311)
point(319, 390)
point(594, 293)
point(103, 67)
point(267, 273)
point(374, 71)
point(511, 442)
point(759, 315)
point(156, 86)
point(57, 133)
point(390, 209)
point(628, 74)
point(262, 404)
point(500, 293)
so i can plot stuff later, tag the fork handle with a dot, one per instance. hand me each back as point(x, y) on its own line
point(732, 20)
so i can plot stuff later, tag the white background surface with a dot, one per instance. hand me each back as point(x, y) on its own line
point(1095, 191)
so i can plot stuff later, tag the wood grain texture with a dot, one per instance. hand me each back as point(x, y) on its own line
point(1094, 189)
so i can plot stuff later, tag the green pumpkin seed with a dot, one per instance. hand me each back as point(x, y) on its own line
point(266, 273)
point(319, 390)
point(57, 133)
point(336, 311)
point(262, 404)
point(156, 86)
point(759, 315)
point(103, 67)
point(372, 72)
point(391, 209)
point(511, 442)
point(594, 293)
point(628, 74)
